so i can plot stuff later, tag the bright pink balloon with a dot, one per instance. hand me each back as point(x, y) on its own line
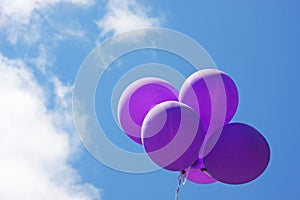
point(137, 99)
point(172, 135)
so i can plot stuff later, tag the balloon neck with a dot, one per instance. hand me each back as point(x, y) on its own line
point(203, 169)
point(195, 163)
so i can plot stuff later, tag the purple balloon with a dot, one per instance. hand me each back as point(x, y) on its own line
point(202, 91)
point(214, 97)
point(197, 173)
point(137, 99)
point(172, 135)
point(240, 155)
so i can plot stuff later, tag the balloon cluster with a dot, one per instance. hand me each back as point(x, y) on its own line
point(190, 130)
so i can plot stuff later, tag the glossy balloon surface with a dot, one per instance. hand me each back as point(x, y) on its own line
point(210, 89)
point(136, 101)
point(240, 155)
point(172, 135)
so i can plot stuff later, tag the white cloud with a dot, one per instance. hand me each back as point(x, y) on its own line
point(125, 15)
point(34, 145)
point(23, 10)
point(21, 19)
point(42, 61)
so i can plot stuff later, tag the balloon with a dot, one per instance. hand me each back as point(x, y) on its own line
point(197, 173)
point(172, 135)
point(240, 155)
point(214, 97)
point(137, 99)
point(202, 91)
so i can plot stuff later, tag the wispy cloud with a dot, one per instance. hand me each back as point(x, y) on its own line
point(23, 21)
point(35, 146)
point(37, 28)
point(22, 11)
point(125, 15)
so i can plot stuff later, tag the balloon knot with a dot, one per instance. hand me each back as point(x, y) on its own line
point(203, 169)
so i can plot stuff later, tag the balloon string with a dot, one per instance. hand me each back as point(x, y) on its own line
point(181, 179)
point(186, 177)
point(178, 187)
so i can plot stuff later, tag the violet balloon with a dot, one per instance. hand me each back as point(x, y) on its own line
point(197, 173)
point(240, 155)
point(202, 91)
point(137, 99)
point(214, 97)
point(172, 135)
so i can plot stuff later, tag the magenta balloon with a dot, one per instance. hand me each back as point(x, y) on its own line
point(202, 97)
point(137, 99)
point(172, 135)
point(240, 155)
point(197, 173)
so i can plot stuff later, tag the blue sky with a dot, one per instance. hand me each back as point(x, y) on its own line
point(43, 43)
